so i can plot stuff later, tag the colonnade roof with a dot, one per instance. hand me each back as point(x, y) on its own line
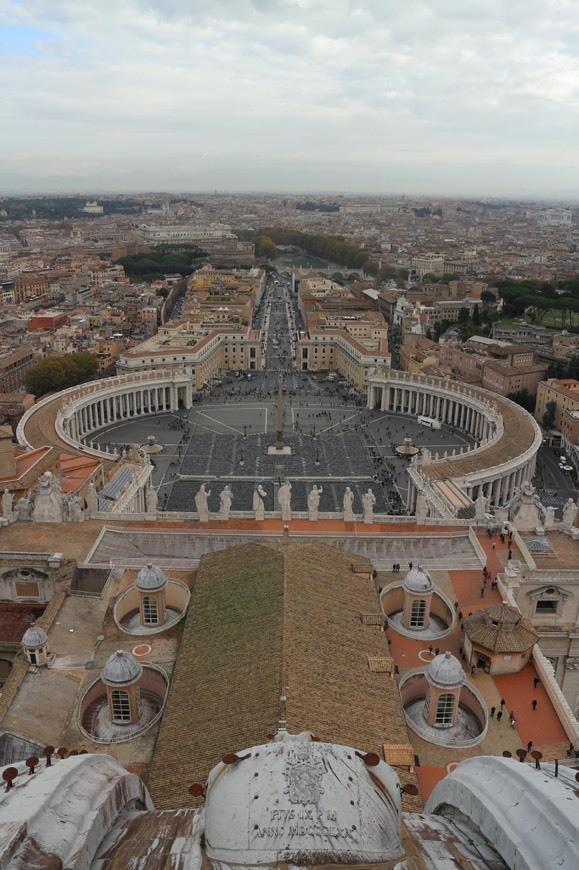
point(518, 436)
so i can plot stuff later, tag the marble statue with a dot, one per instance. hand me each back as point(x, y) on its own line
point(348, 505)
point(314, 502)
point(225, 499)
point(75, 514)
point(24, 507)
point(422, 507)
point(259, 494)
point(135, 453)
point(152, 498)
point(49, 502)
point(480, 506)
point(569, 514)
point(92, 499)
point(368, 501)
point(7, 501)
point(284, 497)
point(201, 504)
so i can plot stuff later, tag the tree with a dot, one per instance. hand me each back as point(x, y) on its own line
point(524, 399)
point(265, 247)
point(476, 316)
point(463, 315)
point(57, 373)
point(549, 415)
point(487, 298)
point(439, 327)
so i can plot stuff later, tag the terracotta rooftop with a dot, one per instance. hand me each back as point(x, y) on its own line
point(274, 635)
point(501, 628)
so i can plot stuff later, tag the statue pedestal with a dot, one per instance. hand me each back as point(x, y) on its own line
point(279, 451)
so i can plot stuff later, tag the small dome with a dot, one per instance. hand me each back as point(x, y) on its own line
point(445, 671)
point(418, 580)
point(121, 667)
point(501, 628)
point(150, 578)
point(34, 636)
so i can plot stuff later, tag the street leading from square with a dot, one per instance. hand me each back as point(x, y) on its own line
point(335, 441)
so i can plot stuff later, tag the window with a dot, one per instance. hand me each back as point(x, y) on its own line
point(121, 706)
point(417, 614)
point(444, 710)
point(27, 589)
point(150, 611)
point(545, 606)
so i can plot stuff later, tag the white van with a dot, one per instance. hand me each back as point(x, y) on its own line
point(429, 422)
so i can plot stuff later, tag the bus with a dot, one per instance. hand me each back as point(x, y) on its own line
point(430, 423)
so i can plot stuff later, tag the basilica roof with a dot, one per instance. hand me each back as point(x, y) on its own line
point(274, 632)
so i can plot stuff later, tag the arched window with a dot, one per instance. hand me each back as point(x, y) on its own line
point(417, 614)
point(444, 710)
point(150, 611)
point(121, 706)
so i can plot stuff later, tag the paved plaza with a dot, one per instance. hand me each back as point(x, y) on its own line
point(334, 442)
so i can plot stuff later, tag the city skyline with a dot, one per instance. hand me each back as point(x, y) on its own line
point(291, 96)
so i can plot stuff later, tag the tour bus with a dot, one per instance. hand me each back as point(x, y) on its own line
point(430, 423)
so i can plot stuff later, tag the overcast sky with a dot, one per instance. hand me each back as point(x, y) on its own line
point(377, 96)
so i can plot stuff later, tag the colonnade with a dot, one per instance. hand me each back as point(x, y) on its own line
point(94, 411)
point(455, 410)
point(457, 406)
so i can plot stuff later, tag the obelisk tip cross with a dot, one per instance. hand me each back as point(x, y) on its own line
point(279, 445)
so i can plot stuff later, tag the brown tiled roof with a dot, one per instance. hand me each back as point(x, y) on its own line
point(226, 685)
point(400, 754)
point(273, 633)
point(500, 628)
point(518, 436)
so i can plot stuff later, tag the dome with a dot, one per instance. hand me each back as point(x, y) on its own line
point(121, 667)
point(150, 578)
point(290, 801)
point(501, 628)
point(445, 671)
point(34, 636)
point(418, 580)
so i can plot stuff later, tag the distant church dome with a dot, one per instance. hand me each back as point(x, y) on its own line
point(121, 667)
point(150, 578)
point(445, 672)
point(34, 636)
point(418, 580)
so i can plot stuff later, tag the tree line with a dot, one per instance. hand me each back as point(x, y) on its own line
point(57, 373)
point(335, 249)
point(162, 260)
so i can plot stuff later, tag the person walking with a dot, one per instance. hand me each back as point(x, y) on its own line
point(534, 704)
point(529, 745)
point(512, 720)
point(536, 682)
point(482, 592)
point(502, 703)
point(499, 715)
point(493, 711)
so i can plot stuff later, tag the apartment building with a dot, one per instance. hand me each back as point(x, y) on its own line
point(204, 354)
point(13, 367)
point(565, 394)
